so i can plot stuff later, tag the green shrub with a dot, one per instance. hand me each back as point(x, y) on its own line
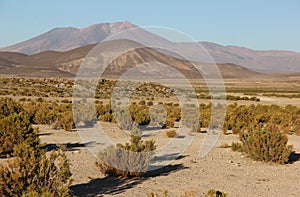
point(107, 117)
point(266, 144)
point(171, 133)
point(126, 160)
point(169, 123)
point(32, 173)
point(8, 106)
point(236, 146)
point(16, 129)
point(66, 121)
point(141, 115)
point(44, 115)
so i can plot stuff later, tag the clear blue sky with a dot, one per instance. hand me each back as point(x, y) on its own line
point(257, 24)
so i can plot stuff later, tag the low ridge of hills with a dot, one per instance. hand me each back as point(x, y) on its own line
point(66, 64)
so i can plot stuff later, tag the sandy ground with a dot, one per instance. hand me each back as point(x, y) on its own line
point(222, 169)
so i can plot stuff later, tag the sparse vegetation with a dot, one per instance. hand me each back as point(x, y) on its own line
point(241, 117)
point(15, 127)
point(128, 160)
point(236, 146)
point(48, 101)
point(14, 130)
point(32, 173)
point(171, 133)
point(266, 144)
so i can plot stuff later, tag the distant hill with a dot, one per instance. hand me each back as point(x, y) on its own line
point(66, 64)
point(64, 39)
point(267, 61)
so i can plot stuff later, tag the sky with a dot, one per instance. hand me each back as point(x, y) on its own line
point(256, 24)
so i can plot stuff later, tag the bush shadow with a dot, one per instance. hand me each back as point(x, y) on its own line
point(294, 157)
point(64, 146)
point(115, 185)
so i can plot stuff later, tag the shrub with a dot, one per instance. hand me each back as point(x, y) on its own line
point(107, 117)
point(83, 113)
point(8, 106)
point(169, 123)
point(124, 119)
point(149, 103)
point(66, 121)
point(236, 146)
point(44, 115)
point(100, 109)
point(32, 173)
point(16, 129)
point(126, 160)
point(266, 144)
point(141, 115)
point(142, 102)
point(213, 193)
point(171, 133)
point(66, 101)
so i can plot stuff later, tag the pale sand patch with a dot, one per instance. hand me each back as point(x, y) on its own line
point(221, 169)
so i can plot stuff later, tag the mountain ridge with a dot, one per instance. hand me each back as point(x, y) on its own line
point(68, 38)
point(66, 64)
point(65, 39)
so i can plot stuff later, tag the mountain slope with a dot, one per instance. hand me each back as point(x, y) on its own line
point(66, 64)
point(267, 61)
point(64, 39)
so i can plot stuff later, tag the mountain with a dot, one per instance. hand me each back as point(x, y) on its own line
point(266, 61)
point(64, 39)
point(66, 64)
